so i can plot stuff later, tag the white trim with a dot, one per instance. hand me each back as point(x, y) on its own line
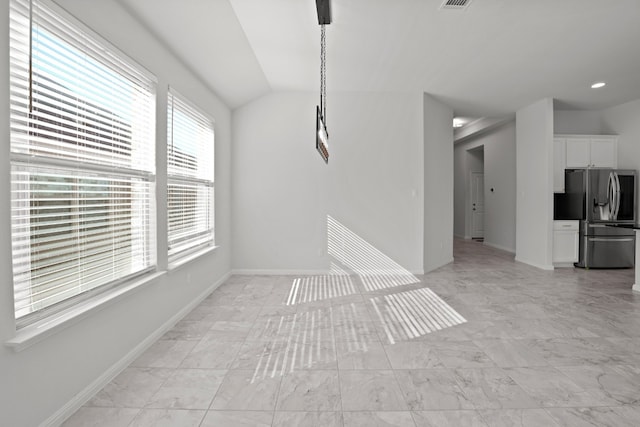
point(563, 265)
point(636, 287)
point(51, 325)
point(99, 383)
point(188, 257)
point(276, 272)
point(540, 266)
point(499, 247)
point(446, 262)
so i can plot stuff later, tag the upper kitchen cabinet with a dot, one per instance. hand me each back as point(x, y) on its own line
point(604, 151)
point(582, 151)
point(599, 151)
point(578, 152)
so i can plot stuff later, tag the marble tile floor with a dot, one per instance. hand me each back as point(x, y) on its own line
point(483, 341)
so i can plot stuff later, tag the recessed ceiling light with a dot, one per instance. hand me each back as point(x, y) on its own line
point(597, 85)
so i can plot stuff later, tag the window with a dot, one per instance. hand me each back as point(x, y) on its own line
point(190, 176)
point(82, 162)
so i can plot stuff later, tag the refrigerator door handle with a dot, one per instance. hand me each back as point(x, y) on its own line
point(607, 211)
point(605, 239)
point(616, 205)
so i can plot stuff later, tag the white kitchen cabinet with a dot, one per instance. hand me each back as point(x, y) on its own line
point(578, 153)
point(604, 152)
point(559, 164)
point(565, 243)
point(600, 151)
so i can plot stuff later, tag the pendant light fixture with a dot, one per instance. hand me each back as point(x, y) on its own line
point(322, 137)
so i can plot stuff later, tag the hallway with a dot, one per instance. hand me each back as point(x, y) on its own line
point(483, 341)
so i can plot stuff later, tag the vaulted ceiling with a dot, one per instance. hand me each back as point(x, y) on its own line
point(490, 59)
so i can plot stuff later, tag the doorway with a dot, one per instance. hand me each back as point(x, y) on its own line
point(477, 205)
point(475, 194)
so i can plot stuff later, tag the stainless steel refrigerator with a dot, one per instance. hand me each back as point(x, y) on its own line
point(605, 202)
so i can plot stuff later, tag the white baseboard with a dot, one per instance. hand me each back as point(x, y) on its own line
point(563, 265)
point(540, 266)
point(500, 247)
point(277, 272)
point(99, 383)
point(251, 272)
point(445, 262)
point(636, 287)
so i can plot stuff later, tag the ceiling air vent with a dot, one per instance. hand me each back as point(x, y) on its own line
point(455, 4)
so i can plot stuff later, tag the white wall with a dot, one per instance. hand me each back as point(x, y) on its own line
point(534, 201)
point(578, 122)
point(623, 120)
point(438, 183)
point(500, 174)
point(40, 382)
point(283, 191)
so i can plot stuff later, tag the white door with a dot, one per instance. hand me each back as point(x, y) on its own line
point(477, 204)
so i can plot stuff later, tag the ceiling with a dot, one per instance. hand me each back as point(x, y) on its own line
point(488, 60)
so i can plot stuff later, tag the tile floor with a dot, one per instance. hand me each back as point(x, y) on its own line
point(484, 341)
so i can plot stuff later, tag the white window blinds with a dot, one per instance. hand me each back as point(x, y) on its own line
point(190, 177)
point(82, 161)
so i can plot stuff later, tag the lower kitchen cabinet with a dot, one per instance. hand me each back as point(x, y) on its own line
point(565, 243)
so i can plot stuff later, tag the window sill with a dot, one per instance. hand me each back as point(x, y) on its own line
point(38, 331)
point(187, 258)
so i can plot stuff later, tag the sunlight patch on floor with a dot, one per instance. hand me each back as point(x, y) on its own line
point(298, 341)
point(319, 288)
point(375, 269)
point(412, 314)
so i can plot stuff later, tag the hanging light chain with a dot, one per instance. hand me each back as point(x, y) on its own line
point(323, 73)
